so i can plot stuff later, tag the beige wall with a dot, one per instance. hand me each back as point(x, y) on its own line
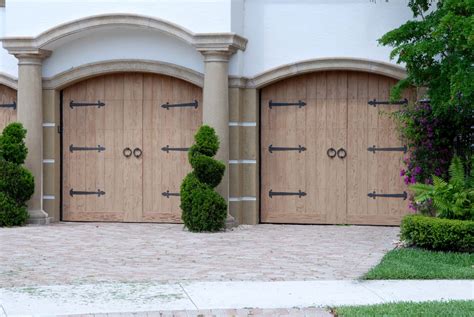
point(243, 155)
point(51, 154)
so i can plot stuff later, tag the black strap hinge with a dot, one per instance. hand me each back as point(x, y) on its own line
point(299, 104)
point(373, 149)
point(374, 195)
point(97, 148)
point(376, 102)
point(272, 148)
point(167, 194)
point(99, 192)
point(97, 104)
point(9, 105)
point(193, 104)
point(167, 149)
point(299, 193)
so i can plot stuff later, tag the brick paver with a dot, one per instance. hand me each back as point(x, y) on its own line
point(66, 253)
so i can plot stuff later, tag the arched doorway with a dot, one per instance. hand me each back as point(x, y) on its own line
point(327, 155)
point(123, 146)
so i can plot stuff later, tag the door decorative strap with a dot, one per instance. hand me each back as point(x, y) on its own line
point(73, 192)
point(373, 149)
point(193, 104)
point(299, 193)
point(298, 104)
point(272, 148)
point(167, 194)
point(167, 149)
point(98, 148)
point(374, 195)
point(376, 102)
point(97, 104)
point(9, 105)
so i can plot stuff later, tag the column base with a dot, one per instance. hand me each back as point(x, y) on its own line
point(230, 222)
point(38, 217)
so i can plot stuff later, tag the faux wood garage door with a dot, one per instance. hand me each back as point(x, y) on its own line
point(327, 155)
point(124, 147)
point(7, 106)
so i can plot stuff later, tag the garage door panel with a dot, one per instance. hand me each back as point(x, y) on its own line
point(7, 115)
point(336, 115)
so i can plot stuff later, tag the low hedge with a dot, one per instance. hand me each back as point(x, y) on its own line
point(438, 234)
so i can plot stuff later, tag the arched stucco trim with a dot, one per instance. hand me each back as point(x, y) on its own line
point(8, 81)
point(201, 41)
point(325, 64)
point(77, 74)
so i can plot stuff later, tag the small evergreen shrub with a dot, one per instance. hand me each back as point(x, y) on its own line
point(11, 213)
point(438, 234)
point(17, 184)
point(202, 208)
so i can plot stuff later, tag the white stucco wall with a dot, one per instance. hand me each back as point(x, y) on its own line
point(279, 32)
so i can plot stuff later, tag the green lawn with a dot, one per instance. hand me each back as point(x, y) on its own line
point(412, 263)
point(431, 309)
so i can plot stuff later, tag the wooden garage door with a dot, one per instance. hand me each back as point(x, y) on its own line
point(124, 147)
point(7, 106)
point(317, 158)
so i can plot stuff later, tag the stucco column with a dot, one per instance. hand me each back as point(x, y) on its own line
point(30, 114)
point(215, 111)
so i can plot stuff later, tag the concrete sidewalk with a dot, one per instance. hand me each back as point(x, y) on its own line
point(149, 297)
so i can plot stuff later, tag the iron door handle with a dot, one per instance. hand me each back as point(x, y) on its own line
point(137, 152)
point(127, 152)
point(341, 153)
point(331, 152)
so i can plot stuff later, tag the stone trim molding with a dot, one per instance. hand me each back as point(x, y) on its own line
point(76, 74)
point(8, 80)
point(223, 42)
point(320, 64)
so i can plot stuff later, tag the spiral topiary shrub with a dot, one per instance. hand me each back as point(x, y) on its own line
point(203, 209)
point(17, 184)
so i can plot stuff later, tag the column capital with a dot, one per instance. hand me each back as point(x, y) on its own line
point(218, 47)
point(31, 57)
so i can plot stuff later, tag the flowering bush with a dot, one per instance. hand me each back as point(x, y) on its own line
point(430, 147)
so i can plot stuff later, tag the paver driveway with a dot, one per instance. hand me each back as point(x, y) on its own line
point(91, 252)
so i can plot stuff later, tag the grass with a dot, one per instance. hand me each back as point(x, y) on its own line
point(410, 263)
point(449, 308)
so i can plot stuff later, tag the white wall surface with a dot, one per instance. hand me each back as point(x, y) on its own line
point(122, 43)
point(279, 32)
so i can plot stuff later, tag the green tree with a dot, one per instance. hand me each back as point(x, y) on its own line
point(202, 208)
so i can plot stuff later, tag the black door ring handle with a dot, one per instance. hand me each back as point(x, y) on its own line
point(331, 152)
point(341, 153)
point(127, 152)
point(137, 152)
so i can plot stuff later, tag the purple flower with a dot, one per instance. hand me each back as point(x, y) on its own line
point(412, 180)
point(417, 170)
point(402, 172)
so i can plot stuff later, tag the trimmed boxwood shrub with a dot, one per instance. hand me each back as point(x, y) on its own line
point(17, 184)
point(438, 234)
point(202, 208)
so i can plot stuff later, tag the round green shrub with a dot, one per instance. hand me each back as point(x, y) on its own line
point(12, 144)
point(208, 170)
point(202, 208)
point(16, 181)
point(437, 233)
point(11, 213)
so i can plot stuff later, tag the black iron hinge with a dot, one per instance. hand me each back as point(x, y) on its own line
point(374, 195)
point(167, 194)
point(60, 129)
point(299, 193)
point(373, 149)
point(9, 105)
point(376, 102)
point(97, 148)
point(167, 149)
point(193, 104)
point(99, 192)
point(97, 104)
point(298, 104)
point(272, 148)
